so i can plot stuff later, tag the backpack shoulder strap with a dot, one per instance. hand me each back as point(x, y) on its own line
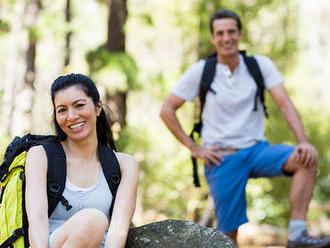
point(207, 79)
point(205, 85)
point(111, 170)
point(56, 174)
point(254, 69)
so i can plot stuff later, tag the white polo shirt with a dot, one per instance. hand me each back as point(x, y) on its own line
point(228, 117)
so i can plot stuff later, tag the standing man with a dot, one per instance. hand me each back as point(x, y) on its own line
point(234, 147)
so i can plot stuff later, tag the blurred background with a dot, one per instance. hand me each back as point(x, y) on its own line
point(135, 51)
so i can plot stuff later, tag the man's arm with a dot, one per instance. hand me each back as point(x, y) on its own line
point(305, 152)
point(168, 115)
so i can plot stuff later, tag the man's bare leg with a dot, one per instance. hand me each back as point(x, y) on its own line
point(232, 235)
point(302, 187)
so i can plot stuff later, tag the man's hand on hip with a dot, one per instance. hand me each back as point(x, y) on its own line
point(209, 155)
point(306, 154)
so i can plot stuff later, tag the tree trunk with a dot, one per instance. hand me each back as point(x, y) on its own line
point(22, 118)
point(68, 34)
point(32, 13)
point(13, 70)
point(116, 43)
point(116, 22)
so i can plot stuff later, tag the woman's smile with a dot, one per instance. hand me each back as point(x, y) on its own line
point(78, 126)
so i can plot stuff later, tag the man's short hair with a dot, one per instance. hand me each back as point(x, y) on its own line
point(225, 13)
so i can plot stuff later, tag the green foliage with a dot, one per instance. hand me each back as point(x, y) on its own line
point(34, 33)
point(165, 173)
point(4, 26)
point(146, 19)
point(268, 203)
point(116, 71)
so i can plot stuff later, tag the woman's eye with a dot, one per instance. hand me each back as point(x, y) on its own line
point(80, 105)
point(60, 110)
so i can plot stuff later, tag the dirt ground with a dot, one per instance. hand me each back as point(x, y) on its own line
point(260, 236)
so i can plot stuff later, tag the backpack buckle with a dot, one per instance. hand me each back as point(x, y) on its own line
point(18, 232)
point(115, 179)
point(54, 188)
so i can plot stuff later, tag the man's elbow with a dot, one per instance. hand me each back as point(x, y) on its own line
point(164, 111)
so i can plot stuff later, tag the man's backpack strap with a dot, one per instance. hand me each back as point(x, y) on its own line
point(205, 86)
point(255, 72)
point(206, 80)
point(111, 170)
point(56, 175)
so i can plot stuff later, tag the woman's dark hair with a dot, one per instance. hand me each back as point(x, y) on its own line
point(103, 121)
point(225, 13)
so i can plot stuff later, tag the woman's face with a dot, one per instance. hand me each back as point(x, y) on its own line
point(76, 113)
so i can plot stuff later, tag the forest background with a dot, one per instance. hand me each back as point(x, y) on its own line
point(135, 51)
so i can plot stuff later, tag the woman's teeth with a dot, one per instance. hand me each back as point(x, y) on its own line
point(77, 125)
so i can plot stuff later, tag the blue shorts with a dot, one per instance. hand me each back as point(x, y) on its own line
point(227, 182)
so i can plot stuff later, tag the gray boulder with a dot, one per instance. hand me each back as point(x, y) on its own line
point(177, 234)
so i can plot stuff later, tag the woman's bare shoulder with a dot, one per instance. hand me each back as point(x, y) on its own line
point(124, 157)
point(36, 156)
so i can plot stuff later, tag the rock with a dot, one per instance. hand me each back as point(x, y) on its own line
point(177, 234)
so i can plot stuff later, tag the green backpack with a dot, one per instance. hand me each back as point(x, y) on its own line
point(13, 219)
point(11, 214)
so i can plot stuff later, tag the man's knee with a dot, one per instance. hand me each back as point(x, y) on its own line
point(293, 166)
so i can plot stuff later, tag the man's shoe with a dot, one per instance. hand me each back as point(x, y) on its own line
point(304, 241)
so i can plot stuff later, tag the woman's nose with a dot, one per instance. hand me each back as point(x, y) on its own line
point(72, 114)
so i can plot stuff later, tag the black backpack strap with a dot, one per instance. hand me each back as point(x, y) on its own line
point(205, 86)
point(254, 70)
point(56, 175)
point(111, 170)
point(15, 235)
point(206, 80)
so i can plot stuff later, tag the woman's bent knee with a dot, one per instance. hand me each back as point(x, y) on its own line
point(92, 219)
point(84, 229)
point(91, 225)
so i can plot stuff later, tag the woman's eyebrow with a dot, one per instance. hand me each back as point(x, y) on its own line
point(62, 105)
point(79, 100)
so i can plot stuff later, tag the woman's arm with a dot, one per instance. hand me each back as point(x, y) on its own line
point(36, 197)
point(125, 202)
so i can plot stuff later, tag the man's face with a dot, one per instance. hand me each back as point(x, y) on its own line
point(226, 37)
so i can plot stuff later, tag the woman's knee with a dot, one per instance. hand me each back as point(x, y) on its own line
point(91, 223)
point(93, 218)
point(84, 229)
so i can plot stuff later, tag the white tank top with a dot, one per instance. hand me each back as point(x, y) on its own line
point(98, 196)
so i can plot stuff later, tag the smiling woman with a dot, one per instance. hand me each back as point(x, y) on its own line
point(75, 113)
point(92, 213)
